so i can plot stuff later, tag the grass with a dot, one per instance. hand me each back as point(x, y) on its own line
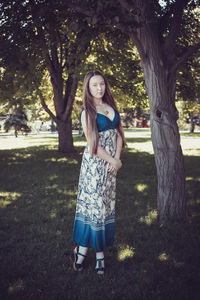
point(38, 189)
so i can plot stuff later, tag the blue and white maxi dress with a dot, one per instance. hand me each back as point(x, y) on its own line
point(95, 209)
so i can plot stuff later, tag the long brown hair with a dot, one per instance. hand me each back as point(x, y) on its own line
point(91, 113)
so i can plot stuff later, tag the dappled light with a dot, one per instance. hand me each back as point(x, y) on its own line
point(7, 198)
point(16, 287)
point(53, 213)
point(150, 218)
point(21, 155)
point(163, 256)
point(80, 143)
point(63, 159)
point(141, 187)
point(193, 178)
point(127, 252)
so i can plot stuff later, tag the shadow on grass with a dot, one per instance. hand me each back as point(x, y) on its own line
point(148, 261)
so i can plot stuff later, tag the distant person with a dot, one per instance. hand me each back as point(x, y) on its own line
point(37, 126)
point(95, 210)
point(52, 127)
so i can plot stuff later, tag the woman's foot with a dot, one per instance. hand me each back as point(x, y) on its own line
point(77, 259)
point(100, 269)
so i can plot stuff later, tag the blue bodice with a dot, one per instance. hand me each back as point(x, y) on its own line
point(104, 123)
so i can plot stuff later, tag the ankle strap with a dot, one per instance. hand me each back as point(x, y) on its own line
point(78, 253)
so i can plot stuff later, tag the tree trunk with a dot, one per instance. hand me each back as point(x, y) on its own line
point(192, 124)
point(65, 139)
point(171, 196)
point(160, 82)
point(16, 133)
point(171, 200)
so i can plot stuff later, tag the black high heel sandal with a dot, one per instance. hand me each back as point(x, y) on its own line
point(74, 258)
point(100, 269)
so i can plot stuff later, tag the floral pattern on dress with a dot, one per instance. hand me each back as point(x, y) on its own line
point(97, 187)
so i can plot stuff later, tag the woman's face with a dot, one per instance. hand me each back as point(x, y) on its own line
point(97, 86)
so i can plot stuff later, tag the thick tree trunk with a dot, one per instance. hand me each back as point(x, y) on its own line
point(171, 200)
point(65, 139)
point(160, 83)
point(171, 196)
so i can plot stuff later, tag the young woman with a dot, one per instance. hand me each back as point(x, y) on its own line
point(95, 210)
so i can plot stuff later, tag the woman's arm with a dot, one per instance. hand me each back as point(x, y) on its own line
point(115, 162)
point(118, 152)
point(119, 146)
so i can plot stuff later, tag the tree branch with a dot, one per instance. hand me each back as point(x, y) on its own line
point(80, 9)
point(73, 84)
point(133, 35)
point(125, 5)
point(61, 48)
point(184, 57)
point(44, 105)
point(139, 46)
point(177, 11)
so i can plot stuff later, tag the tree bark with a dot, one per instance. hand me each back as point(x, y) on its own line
point(171, 196)
point(63, 119)
point(160, 86)
point(63, 101)
point(192, 125)
point(65, 138)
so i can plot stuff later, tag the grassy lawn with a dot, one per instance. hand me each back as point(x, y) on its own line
point(38, 189)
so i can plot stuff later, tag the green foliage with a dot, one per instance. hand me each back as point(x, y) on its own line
point(188, 85)
point(188, 90)
point(114, 55)
point(42, 36)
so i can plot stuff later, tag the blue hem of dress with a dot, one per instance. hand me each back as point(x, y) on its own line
point(95, 235)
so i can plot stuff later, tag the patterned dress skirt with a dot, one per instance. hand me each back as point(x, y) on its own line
point(95, 210)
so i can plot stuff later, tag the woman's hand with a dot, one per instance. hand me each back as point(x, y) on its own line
point(115, 165)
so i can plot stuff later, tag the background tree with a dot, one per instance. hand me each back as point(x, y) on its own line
point(54, 39)
point(188, 91)
point(17, 120)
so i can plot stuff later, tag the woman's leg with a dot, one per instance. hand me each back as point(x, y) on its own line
point(81, 253)
point(100, 266)
point(78, 257)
